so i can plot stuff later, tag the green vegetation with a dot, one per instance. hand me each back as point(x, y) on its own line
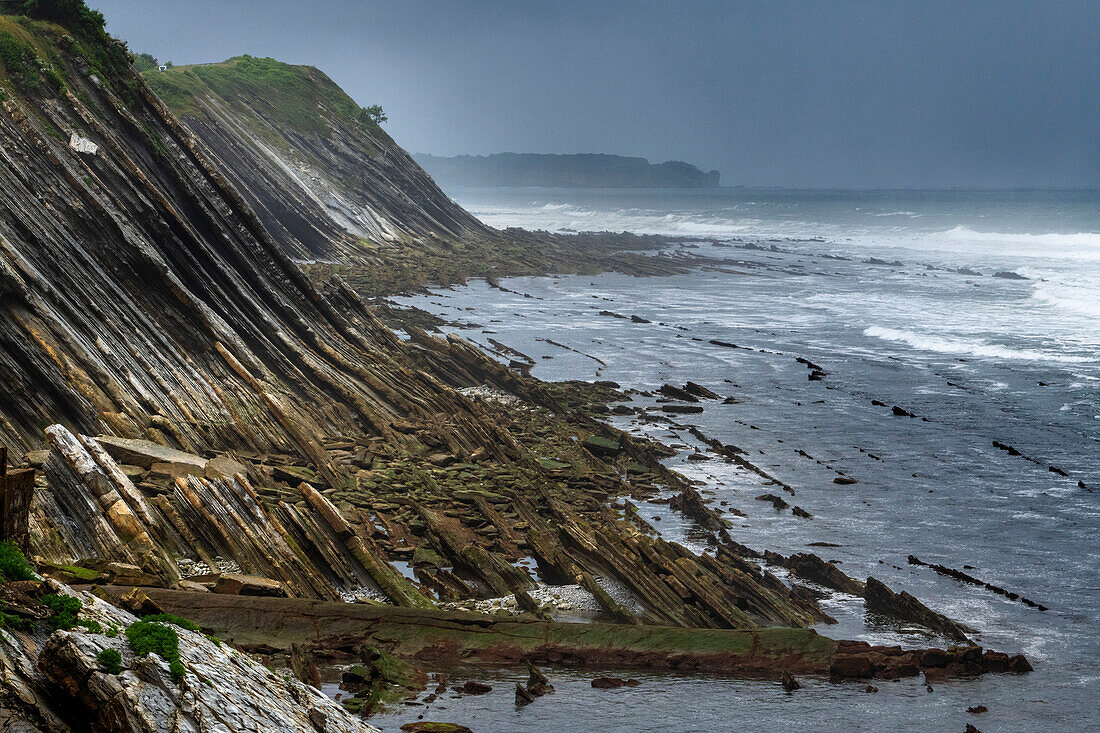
point(298, 98)
point(19, 60)
point(151, 637)
point(65, 610)
point(167, 618)
point(72, 25)
point(110, 660)
point(375, 114)
point(145, 62)
point(13, 563)
point(11, 621)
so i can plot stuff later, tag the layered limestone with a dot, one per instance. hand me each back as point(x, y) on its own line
point(56, 681)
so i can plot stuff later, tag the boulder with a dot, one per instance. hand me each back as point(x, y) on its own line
point(236, 584)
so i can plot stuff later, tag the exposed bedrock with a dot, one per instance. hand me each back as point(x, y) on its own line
point(440, 637)
point(57, 681)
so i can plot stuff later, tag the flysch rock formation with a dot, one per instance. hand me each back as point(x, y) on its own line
point(54, 681)
point(204, 421)
point(326, 181)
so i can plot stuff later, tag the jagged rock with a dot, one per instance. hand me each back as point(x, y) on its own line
point(880, 599)
point(811, 567)
point(676, 393)
point(523, 697)
point(425, 726)
point(775, 501)
point(699, 390)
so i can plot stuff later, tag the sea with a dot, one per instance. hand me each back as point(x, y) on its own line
point(976, 313)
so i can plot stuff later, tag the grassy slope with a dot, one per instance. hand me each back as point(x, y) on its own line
point(296, 98)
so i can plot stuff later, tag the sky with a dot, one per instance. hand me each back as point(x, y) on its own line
point(794, 93)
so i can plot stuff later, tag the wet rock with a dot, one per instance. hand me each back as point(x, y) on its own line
point(677, 393)
point(775, 501)
point(682, 409)
point(800, 512)
point(699, 390)
point(977, 709)
point(901, 412)
point(880, 599)
point(844, 480)
point(811, 567)
point(789, 682)
point(971, 729)
point(424, 726)
point(608, 683)
point(852, 666)
point(473, 687)
point(523, 697)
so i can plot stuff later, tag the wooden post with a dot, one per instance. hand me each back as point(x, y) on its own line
point(16, 489)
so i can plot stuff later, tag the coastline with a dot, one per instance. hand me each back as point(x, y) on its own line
point(527, 296)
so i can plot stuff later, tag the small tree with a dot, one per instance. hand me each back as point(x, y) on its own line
point(375, 114)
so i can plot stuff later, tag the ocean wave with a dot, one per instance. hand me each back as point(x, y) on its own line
point(1081, 245)
point(1077, 300)
point(976, 348)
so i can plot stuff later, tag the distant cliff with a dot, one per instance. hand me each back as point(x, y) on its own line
point(567, 171)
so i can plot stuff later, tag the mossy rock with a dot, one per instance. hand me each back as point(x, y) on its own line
point(552, 465)
point(427, 556)
point(602, 446)
point(427, 726)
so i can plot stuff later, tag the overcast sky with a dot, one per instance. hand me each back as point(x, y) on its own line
point(846, 93)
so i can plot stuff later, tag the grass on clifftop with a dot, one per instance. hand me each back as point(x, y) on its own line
point(298, 98)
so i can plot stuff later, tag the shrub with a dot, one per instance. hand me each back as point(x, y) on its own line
point(11, 621)
point(110, 660)
point(65, 610)
point(149, 637)
point(13, 563)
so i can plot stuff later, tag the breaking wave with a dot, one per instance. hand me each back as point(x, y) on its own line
point(976, 348)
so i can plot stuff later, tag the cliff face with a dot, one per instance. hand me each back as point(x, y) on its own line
point(564, 171)
point(140, 294)
point(325, 180)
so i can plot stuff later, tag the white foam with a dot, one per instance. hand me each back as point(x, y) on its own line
point(976, 348)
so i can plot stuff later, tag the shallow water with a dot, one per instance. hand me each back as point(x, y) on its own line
point(976, 358)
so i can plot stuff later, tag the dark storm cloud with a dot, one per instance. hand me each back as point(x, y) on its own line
point(843, 93)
